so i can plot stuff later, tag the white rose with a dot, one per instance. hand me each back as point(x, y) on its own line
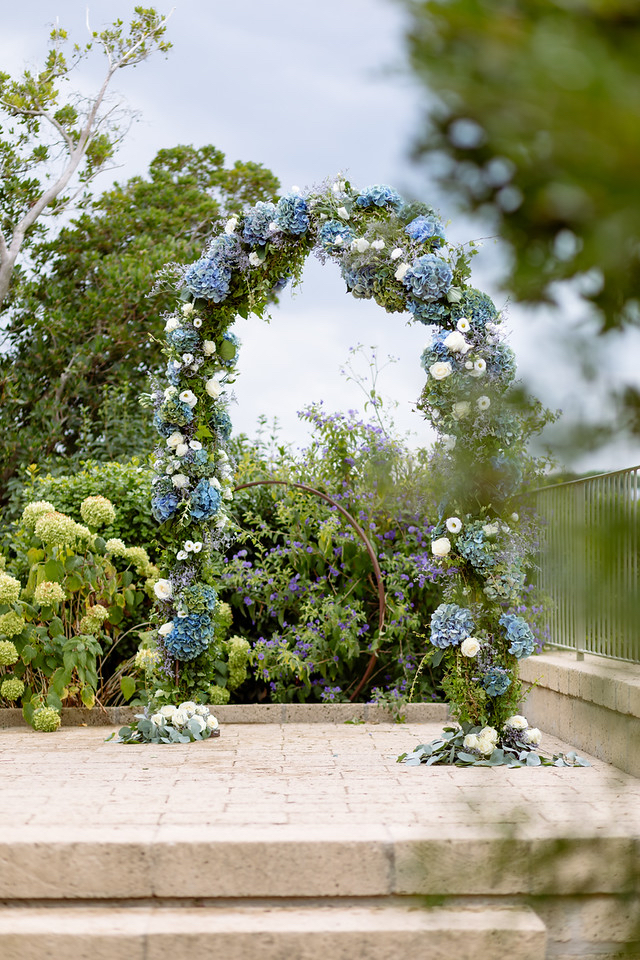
point(440, 370)
point(182, 449)
point(188, 707)
point(172, 324)
point(170, 392)
point(179, 718)
point(197, 547)
point(479, 367)
point(489, 733)
point(202, 711)
point(470, 647)
point(343, 213)
point(456, 343)
point(517, 722)
point(188, 358)
point(402, 271)
point(470, 742)
point(454, 524)
point(182, 555)
point(158, 719)
point(491, 529)
point(208, 348)
point(485, 746)
point(449, 442)
point(195, 444)
point(188, 546)
point(198, 722)
point(180, 481)
point(461, 409)
point(213, 388)
point(397, 253)
point(167, 711)
point(533, 736)
point(378, 244)
point(254, 259)
point(463, 325)
point(360, 244)
point(483, 403)
point(163, 589)
point(231, 225)
point(174, 440)
point(441, 547)
point(166, 628)
point(212, 723)
point(188, 397)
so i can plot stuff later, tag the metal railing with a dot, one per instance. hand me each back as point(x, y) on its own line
point(589, 564)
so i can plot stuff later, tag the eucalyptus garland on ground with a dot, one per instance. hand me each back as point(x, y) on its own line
point(395, 253)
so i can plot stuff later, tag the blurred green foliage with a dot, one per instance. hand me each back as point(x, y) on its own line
point(534, 122)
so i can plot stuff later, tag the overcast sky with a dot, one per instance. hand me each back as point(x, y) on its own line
point(309, 91)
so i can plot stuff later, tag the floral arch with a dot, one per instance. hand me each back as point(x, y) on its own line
point(396, 253)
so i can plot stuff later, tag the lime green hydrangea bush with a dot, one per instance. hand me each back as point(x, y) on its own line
point(77, 606)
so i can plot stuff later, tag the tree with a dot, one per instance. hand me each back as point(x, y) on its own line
point(535, 124)
point(52, 139)
point(80, 348)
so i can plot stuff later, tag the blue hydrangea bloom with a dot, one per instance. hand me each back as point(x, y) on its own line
point(173, 375)
point(226, 250)
point(292, 214)
point(200, 457)
point(221, 422)
point(184, 339)
point(208, 278)
point(174, 412)
point(496, 681)
point(519, 634)
point(361, 281)
point(256, 223)
point(164, 506)
point(330, 231)
point(190, 636)
point(474, 547)
point(478, 307)
point(424, 228)
point(501, 363)
point(429, 277)
point(164, 429)
point(200, 598)
point(379, 195)
point(204, 501)
point(450, 625)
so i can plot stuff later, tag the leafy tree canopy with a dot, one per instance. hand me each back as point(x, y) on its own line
point(79, 335)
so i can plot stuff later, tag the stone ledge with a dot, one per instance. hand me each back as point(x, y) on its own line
point(594, 703)
point(612, 684)
point(255, 713)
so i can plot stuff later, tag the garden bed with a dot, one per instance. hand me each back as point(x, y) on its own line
point(256, 713)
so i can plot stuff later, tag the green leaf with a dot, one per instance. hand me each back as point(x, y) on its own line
point(227, 350)
point(533, 760)
point(54, 571)
point(128, 687)
point(466, 757)
point(74, 583)
point(115, 615)
point(56, 627)
point(28, 653)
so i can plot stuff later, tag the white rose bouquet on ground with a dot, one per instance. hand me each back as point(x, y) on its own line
point(182, 724)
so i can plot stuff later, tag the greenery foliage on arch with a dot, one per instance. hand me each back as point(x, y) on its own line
point(395, 253)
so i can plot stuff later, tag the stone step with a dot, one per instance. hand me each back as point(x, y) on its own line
point(305, 861)
point(272, 930)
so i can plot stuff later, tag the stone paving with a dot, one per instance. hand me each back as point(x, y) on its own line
point(270, 775)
